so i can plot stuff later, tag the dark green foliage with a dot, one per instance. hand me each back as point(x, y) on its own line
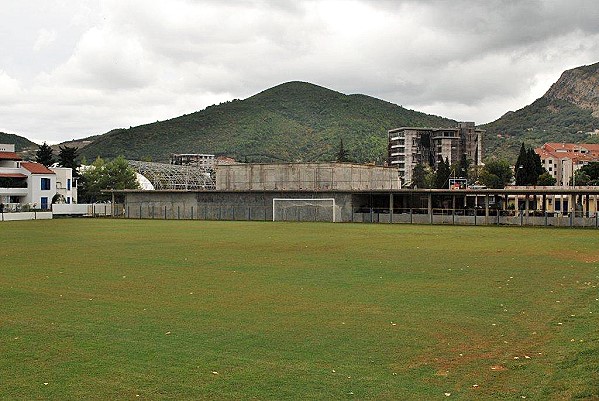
point(67, 157)
point(20, 142)
point(342, 153)
point(442, 174)
point(45, 155)
point(496, 174)
point(295, 121)
point(537, 165)
point(528, 167)
point(419, 179)
point(545, 120)
point(102, 175)
point(592, 171)
point(580, 178)
point(520, 165)
point(463, 166)
point(546, 179)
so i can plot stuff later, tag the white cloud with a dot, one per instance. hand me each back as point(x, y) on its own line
point(93, 66)
point(44, 39)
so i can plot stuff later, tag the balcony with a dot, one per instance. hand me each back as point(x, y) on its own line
point(13, 191)
point(12, 182)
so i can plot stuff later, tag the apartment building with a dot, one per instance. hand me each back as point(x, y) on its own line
point(409, 146)
point(561, 160)
point(203, 161)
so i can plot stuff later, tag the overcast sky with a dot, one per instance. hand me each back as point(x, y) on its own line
point(74, 68)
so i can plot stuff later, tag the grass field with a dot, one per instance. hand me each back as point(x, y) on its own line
point(142, 309)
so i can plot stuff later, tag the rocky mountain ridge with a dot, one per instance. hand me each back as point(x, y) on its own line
point(579, 86)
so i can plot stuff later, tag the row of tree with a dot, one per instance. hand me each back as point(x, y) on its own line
point(67, 157)
point(494, 174)
point(92, 179)
point(587, 175)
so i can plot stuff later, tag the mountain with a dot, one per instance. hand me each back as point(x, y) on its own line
point(21, 143)
point(24, 147)
point(568, 112)
point(294, 121)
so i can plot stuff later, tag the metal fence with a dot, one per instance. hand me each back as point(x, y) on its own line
point(475, 217)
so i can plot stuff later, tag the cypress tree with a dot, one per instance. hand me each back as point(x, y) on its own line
point(45, 155)
point(442, 175)
point(342, 153)
point(519, 168)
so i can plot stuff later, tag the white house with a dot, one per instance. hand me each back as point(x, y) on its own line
point(29, 183)
point(66, 186)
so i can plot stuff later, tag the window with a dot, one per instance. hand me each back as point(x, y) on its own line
point(68, 200)
point(45, 184)
point(44, 202)
point(68, 184)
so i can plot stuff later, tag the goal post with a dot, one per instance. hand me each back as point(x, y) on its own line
point(305, 209)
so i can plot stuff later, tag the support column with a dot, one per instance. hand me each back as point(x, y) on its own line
point(587, 212)
point(486, 208)
point(430, 206)
point(453, 208)
point(544, 203)
point(391, 207)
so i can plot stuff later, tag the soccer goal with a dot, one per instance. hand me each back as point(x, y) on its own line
point(307, 209)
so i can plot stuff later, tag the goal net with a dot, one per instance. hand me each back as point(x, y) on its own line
point(319, 209)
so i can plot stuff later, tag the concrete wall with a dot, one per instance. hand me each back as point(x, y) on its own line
point(220, 205)
point(82, 209)
point(305, 177)
point(25, 216)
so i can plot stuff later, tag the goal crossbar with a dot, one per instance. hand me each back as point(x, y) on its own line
point(307, 201)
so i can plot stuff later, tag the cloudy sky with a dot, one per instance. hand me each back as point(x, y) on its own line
point(74, 68)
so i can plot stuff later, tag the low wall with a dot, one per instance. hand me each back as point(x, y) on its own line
point(25, 216)
point(82, 209)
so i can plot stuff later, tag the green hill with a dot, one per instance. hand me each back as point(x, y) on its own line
point(24, 147)
point(568, 112)
point(20, 142)
point(294, 121)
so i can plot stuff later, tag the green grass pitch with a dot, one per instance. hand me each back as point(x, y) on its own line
point(172, 310)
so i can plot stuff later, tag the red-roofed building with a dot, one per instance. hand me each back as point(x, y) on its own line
point(29, 183)
point(561, 160)
point(36, 168)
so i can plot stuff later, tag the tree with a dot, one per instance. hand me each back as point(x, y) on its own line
point(342, 155)
point(520, 166)
point(462, 171)
point(528, 167)
point(419, 176)
point(67, 157)
point(45, 155)
point(592, 170)
point(580, 178)
point(102, 175)
point(496, 174)
point(442, 174)
point(546, 180)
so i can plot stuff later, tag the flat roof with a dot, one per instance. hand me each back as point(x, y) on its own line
point(486, 191)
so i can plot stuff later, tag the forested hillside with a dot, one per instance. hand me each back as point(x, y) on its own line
point(295, 121)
